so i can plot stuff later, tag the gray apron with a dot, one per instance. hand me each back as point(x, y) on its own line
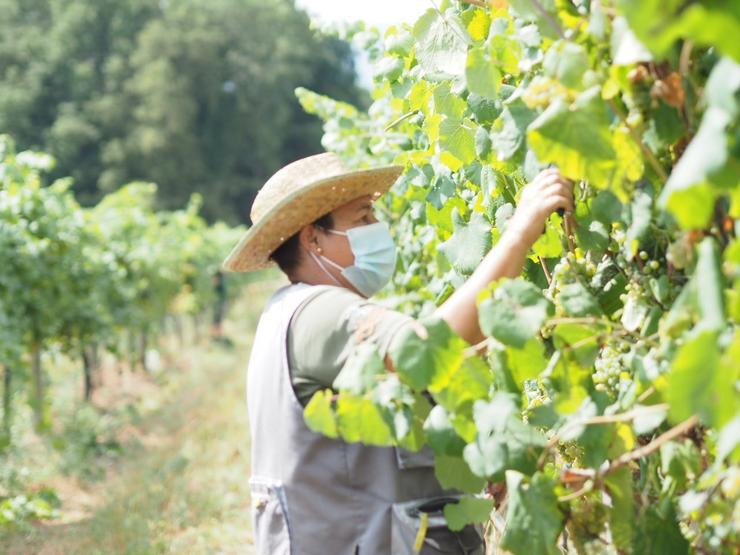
point(313, 495)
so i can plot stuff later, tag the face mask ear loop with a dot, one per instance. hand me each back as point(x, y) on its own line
point(321, 265)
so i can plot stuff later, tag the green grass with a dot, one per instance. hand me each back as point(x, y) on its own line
point(180, 484)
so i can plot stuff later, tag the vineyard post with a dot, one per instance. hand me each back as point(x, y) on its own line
point(7, 400)
point(143, 345)
point(87, 370)
point(38, 385)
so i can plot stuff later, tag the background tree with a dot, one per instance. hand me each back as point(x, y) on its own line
point(192, 95)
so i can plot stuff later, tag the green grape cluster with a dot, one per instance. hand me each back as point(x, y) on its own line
point(542, 91)
point(571, 452)
point(610, 370)
point(586, 522)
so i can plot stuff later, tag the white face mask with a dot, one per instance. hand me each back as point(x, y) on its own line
point(375, 258)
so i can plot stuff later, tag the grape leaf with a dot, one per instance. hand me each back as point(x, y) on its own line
point(360, 370)
point(576, 300)
point(482, 76)
point(503, 441)
point(526, 363)
point(622, 515)
point(468, 510)
point(453, 472)
point(319, 414)
point(469, 242)
point(469, 383)
point(576, 138)
point(514, 313)
point(507, 133)
point(442, 42)
point(441, 434)
point(659, 23)
point(698, 384)
point(533, 519)
point(360, 420)
point(708, 163)
point(431, 361)
point(567, 62)
point(660, 533)
point(458, 138)
point(711, 284)
point(626, 48)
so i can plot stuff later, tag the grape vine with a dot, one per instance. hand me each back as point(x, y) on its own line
point(605, 396)
point(88, 280)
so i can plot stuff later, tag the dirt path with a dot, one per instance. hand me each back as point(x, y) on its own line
point(181, 486)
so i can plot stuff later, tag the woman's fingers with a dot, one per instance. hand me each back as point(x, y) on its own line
point(555, 201)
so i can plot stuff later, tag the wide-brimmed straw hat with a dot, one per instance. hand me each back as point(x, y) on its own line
point(297, 195)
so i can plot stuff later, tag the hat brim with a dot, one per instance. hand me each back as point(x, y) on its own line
point(302, 207)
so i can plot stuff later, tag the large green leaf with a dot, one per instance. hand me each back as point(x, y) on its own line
point(622, 515)
point(699, 384)
point(503, 442)
point(482, 76)
point(468, 510)
point(458, 138)
point(708, 165)
point(566, 61)
point(454, 472)
point(526, 363)
point(360, 420)
point(470, 382)
point(469, 243)
point(429, 361)
point(577, 300)
point(441, 434)
point(533, 519)
point(442, 42)
point(319, 414)
point(576, 138)
point(659, 23)
point(360, 371)
point(658, 531)
point(711, 284)
point(507, 133)
point(514, 313)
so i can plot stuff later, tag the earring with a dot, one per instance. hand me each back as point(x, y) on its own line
point(319, 250)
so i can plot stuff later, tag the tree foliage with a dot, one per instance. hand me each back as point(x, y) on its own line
point(192, 95)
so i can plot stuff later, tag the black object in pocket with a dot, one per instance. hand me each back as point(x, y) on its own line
point(438, 539)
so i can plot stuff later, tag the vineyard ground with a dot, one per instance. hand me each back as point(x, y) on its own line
point(179, 484)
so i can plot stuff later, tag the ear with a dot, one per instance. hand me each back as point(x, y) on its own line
point(308, 238)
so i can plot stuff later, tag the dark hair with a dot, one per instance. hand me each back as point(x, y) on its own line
point(288, 255)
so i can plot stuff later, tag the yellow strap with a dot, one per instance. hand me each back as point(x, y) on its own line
point(422, 532)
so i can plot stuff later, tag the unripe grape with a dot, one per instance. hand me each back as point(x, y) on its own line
point(643, 255)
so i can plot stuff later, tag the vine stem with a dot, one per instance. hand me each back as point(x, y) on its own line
point(587, 487)
point(626, 458)
point(547, 272)
point(550, 19)
point(607, 419)
point(653, 446)
point(569, 232)
point(579, 320)
point(400, 119)
point(635, 137)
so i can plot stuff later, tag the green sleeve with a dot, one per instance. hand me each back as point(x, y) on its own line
point(325, 329)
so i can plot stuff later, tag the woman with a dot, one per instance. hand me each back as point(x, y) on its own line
point(311, 494)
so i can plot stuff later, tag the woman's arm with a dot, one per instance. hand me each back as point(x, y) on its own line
point(548, 192)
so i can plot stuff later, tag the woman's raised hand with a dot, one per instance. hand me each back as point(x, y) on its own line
point(548, 192)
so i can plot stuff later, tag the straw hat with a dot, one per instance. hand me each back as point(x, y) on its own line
point(297, 195)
